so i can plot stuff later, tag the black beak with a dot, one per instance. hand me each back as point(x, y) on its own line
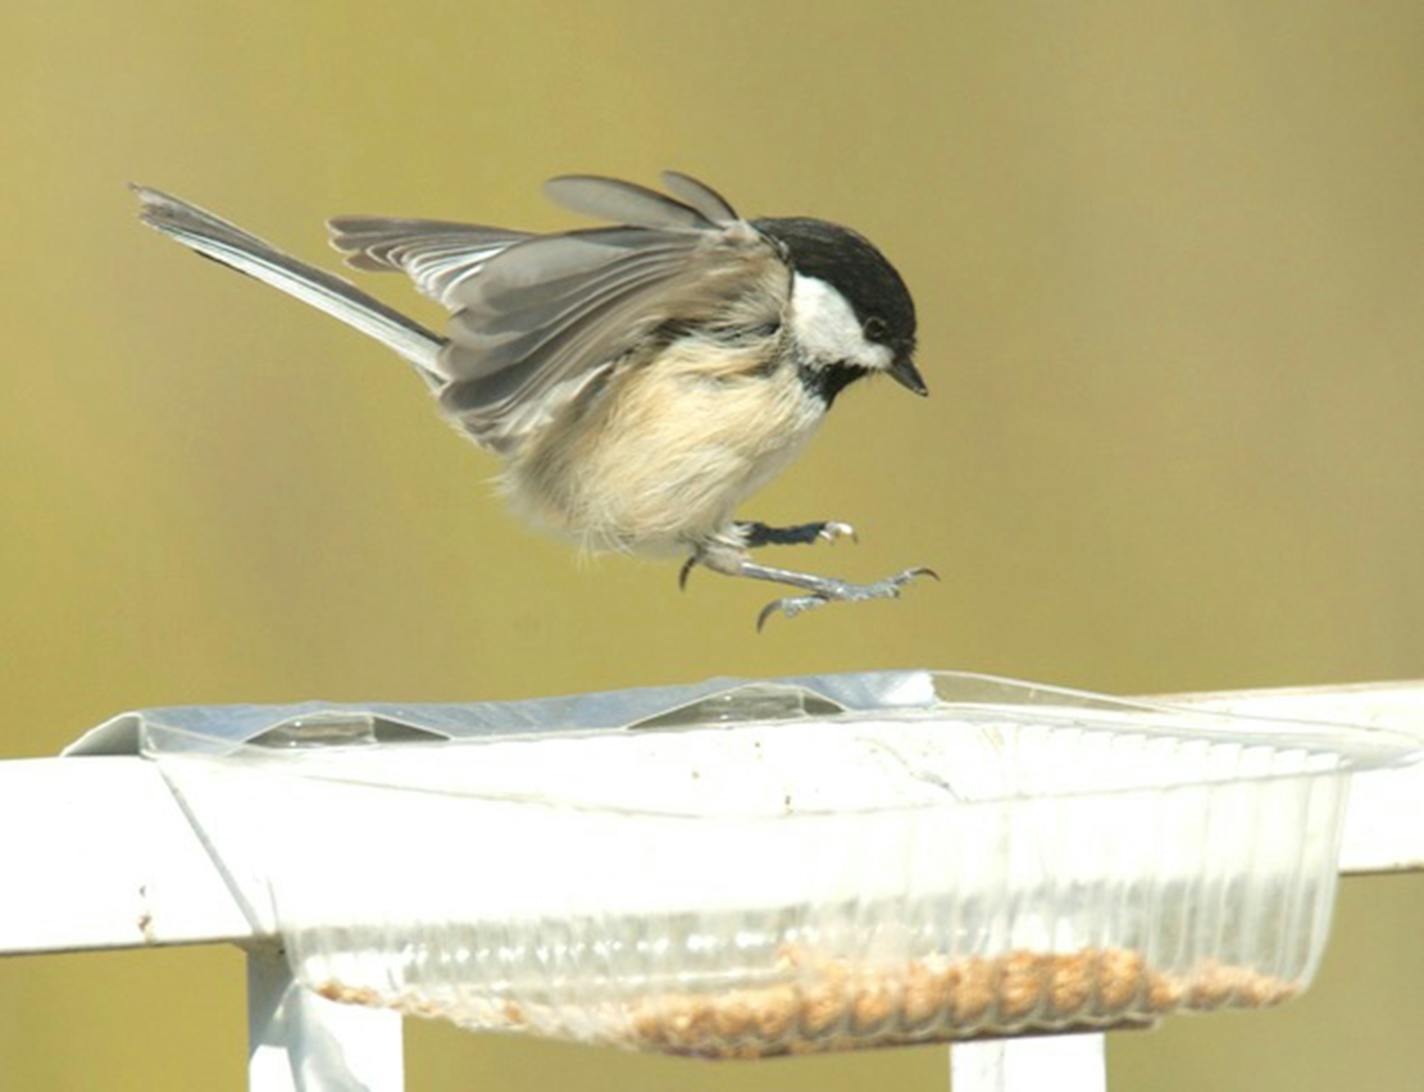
point(904, 372)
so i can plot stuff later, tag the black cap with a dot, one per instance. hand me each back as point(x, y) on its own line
point(852, 264)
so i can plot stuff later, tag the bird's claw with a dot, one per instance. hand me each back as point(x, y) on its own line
point(791, 606)
point(839, 591)
point(685, 571)
point(919, 570)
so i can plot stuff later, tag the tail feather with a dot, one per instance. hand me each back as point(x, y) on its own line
point(228, 244)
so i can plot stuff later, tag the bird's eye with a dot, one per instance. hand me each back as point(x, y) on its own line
point(875, 329)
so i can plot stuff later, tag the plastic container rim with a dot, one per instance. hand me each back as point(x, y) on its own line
point(1358, 748)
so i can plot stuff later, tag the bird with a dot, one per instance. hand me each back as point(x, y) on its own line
point(640, 379)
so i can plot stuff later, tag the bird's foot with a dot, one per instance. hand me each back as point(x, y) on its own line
point(828, 590)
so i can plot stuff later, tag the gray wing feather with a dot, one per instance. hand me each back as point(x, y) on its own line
point(623, 203)
point(543, 338)
point(582, 344)
point(700, 196)
point(215, 238)
point(543, 269)
point(502, 338)
point(437, 255)
point(548, 307)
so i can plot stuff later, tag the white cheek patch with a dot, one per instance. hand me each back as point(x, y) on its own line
point(827, 328)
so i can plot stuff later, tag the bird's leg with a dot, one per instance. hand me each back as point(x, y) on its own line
point(749, 534)
point(755, 533)
point(819, 590)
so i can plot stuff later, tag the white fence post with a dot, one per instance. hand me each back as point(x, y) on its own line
point(299, 1042)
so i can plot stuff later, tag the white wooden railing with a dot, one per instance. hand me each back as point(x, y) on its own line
point(98, 855)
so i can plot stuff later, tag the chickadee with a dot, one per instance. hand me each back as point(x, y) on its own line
point(640, 381)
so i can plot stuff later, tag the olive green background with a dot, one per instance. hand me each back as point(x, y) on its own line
point(1170, 266)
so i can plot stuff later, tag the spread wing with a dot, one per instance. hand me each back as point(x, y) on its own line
point(538, 318)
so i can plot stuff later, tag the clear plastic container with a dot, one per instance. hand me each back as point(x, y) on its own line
point(775, 868)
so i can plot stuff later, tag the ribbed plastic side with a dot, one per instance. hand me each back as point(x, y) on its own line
point(743, 937)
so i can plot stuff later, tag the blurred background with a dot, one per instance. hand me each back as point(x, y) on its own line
point(1169, 261)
